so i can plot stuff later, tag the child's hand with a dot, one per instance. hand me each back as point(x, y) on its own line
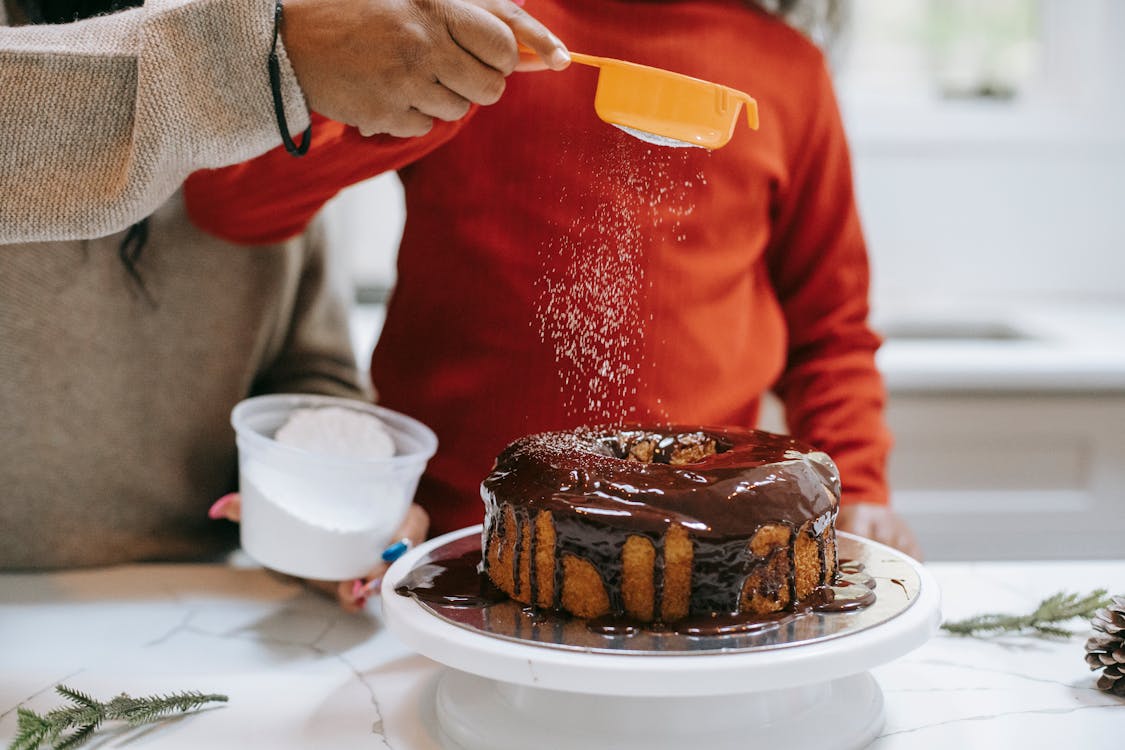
point(353, 594)
point(880, 523)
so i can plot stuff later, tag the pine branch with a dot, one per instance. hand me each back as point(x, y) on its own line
point(76, 696)
point(61, 719)
point(77, 737)
point(1058, 608)
point(85, 714)
point(31, 730)
point(144, 710)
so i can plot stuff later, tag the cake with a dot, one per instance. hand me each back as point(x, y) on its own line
point(658, 524)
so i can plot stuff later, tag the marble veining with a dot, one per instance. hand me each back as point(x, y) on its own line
point(300, 673)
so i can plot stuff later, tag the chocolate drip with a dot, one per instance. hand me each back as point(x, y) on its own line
point(853, 589)
point(598, 493)
point(658, 578)
point(459, 582)
point(456, 582)
point(487, 537)
point(696, 625)
point(727, 624)
point(822, 557)
point(501, 532)
point(791, 568)
point(719, 569)
point(760, 478)
point(557, 599)
point(600, 545)
point(520, 517)
point(532, 568)
point(718, 572)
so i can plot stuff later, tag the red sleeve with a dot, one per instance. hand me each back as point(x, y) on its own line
point(833, 394)
point(275, 196)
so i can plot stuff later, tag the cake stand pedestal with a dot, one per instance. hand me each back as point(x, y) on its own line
point(806, 687)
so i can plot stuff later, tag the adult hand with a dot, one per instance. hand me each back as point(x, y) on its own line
point(880, 523)
point(392, 66)
point(353, 594)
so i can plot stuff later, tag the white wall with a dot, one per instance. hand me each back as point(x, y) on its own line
point(949, 221)
point(365, 223)
point(1021, 199)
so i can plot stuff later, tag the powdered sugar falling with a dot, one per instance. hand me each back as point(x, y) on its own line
point(592, 306)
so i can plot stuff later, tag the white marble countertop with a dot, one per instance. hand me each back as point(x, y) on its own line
point(302, 674)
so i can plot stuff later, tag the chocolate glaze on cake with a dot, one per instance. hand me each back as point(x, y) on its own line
point(720, 486)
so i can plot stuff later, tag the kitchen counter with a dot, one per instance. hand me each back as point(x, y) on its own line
point(1009, 426)
point(1012, 347)
point(302, 674)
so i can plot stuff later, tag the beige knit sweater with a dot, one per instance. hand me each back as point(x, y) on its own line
point(103, 119)
point(115, 431)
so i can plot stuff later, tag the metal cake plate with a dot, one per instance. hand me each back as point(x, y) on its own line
point(894, 576)
point(802, 651)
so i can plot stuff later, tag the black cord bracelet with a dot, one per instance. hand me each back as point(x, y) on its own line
point(275, 89)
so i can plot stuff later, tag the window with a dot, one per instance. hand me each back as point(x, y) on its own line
point(966, 70)
point(947, 49)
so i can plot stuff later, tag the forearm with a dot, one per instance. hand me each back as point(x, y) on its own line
point(834, 399)
point(833, 393)
point(106, 117)
point(274, 197)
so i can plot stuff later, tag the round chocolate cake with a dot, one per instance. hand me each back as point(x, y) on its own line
point(661, 523)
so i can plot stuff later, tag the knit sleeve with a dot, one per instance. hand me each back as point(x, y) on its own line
point(317, 355)
point(104, 118)
point(833, 394)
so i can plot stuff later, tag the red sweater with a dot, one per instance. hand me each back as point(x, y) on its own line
point(730, 272)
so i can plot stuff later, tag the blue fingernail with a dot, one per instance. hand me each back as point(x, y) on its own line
point(396, 550)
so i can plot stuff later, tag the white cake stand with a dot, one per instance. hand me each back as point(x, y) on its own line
point(505, 693)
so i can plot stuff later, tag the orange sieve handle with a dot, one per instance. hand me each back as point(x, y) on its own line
point(751, 107)
point(577, 57)
point(591, 60)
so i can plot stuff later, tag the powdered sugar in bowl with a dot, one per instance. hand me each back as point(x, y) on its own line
point(325, 481)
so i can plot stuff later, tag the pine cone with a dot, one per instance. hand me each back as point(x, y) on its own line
point(1105, 650)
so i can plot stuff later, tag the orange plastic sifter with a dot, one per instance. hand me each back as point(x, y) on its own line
point(666, 108)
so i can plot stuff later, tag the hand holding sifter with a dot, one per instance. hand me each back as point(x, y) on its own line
point(666, 108)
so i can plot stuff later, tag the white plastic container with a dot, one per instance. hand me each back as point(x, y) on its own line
point(318, 516)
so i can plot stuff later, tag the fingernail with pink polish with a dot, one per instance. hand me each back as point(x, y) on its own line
point(358, 589)
point(219, 509)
